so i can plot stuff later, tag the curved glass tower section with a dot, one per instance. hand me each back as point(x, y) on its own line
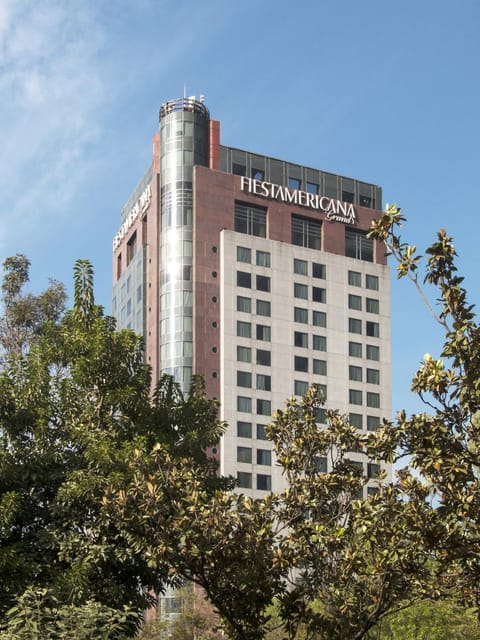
point(184, 127)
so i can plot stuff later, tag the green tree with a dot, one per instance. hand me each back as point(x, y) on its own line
point(74, 413)
point(430, 621)
point(24, 314)
point(443, 443)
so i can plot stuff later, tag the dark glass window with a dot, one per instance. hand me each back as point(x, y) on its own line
point(357, 245)
point(264, 382)
point(319, 270)
point(319, 295)
point(264, 456)
point(244, 279)
point(244, 254)
point(300, 291)
point(264, 407)
point(244, 329)
point(239, 169)
point(263, 283)
point(354, 325)
point(355, 278)
point(264, 357)
point(263, 308)
point(301, 387)
point(244, 480)
point(371, 282)
point(306, 232)
point(263, 259)
point(301, 364)
point(264, 482)
point(372, 305)
point(356, 420)
point(244, 354)
point(355, 396)
point(321, 464)
point(319, 319)
point(373, 352)
point(373, 422)
point(261, 435)
point(294, 183)
point(354, 302)
point(372, 329)
point(300, 315)
point(258, 174)
point(244, 404)
point(320, 367)
point(312, 187)
point(300, 339)
point(244, 379)
point(263, 332)
point(348, 196)
point(373, 470)
point(300, 267)
point(319, 343)
point(250, 220)
point(373, 400)
point(244, 304)
point(355, 349)
point(355, 373)
point(373, 376)
point(244, 429)
point(244, 454)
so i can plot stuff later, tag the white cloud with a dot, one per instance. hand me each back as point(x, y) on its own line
point(52, 100)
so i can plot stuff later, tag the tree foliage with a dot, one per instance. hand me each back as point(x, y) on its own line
point(75, 411)
point(443, 443)
point(24, 314)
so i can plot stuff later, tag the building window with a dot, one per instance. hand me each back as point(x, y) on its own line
point(300, 315)
point(354, 325)
point(264, 456)
point(371, 282)
point(263, 308)
point(355, 373)
point(244, 404)
point(244, 429)
point(264, 482)
point(261, 435)
point(293, 183)
point(244, 279)
point(244, 329)
point(320, 367)
point(244, 480)
point(322, 391)
point(321, 464)
point(373, 422)
point(301, 364)
point(357, 245)
point(263, 332)
point(300, 339)
point(244, 379)
point(131, 247)
point(306, 232)
point(356, 420)
point(264, 382)
point(319, 295)
point(372, 305)
point(321, 415)
point(244, 354)
point(250, 220)
point(373, 470)
point(373, 329)
point(365, 201)
point(244, 454)
point(373, 400)
point(348, 196)
point(354, 302)
point(263, 259)
point(319, 270)
point(258, 174)
point(355, 278)
point(319, 319)
point(373, 376)
point(319, 343)
point(264, 407)
point(355, 349)
point(244, 304)
point(300, 267)
point(244, 254)
point(239, 169)
point(355, 396)
point(264, 357)
point(373, 352)
point(300, 291)
point(263, 283)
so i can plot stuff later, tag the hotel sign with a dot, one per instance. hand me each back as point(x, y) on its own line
point(334, 210)
point(138, 208)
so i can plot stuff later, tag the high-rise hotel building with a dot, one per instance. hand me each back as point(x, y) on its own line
point(258, 274)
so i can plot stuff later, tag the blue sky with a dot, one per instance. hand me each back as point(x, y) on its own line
point(383, 91)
